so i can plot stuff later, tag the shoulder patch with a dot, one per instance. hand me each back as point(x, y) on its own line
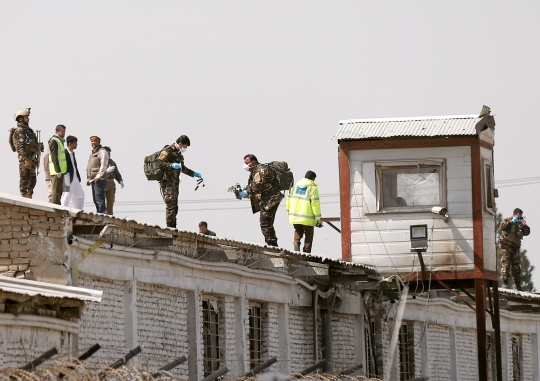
point(257, 177)
point(163, 155)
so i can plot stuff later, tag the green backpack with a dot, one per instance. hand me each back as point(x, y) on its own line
point(284, 176)
point(11, 144)
point(152, 170)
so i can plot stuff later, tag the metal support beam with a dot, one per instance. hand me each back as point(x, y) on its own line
point(259, 368)
point(313, 368)
point(218, 373)
point(39, 360)
point(481, 337)
point(82, 257)
point(170, 366)
point(497, 327)
point(123, 361)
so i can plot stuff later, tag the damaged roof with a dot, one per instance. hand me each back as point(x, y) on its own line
point(35, 288)
point(425, 126)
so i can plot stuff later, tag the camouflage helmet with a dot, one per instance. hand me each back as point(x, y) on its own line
point(24, 112)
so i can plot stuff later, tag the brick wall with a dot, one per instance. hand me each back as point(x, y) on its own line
point(526, 347)
point(229, 332)
point(103, 323)
point(467, 354)
point(25, 231)
point(344, 340)
point(162, 326)
point(439, 352)
point(301, 338)
point(20, 345)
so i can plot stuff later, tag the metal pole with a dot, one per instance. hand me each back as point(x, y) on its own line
point(90, 352)
point(497, 327)
point(352, 370)
point(327, 339)
point(132, 353)
point(171, 365)
point(315, 306)
point(37, 361)
point(313, 368)
point(260, 368)
point(218, 373)
point(481, 337)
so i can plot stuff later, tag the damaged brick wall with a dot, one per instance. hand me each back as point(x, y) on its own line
point(33, 244)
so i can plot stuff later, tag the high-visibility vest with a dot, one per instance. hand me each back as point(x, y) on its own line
point(61, 158)
point(303, 204)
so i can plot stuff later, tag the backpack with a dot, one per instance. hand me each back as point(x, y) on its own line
point(284, 176)
point(13, 148)
point(152, 170)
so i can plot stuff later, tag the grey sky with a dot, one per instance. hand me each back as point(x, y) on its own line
point(269, 78)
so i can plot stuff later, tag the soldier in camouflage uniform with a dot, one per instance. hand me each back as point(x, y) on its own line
point(263, 192)
point(27, 146)
point(172, 162)
point(513, 229)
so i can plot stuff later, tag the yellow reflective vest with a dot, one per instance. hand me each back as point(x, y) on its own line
point(303, 204)
point(61, 158)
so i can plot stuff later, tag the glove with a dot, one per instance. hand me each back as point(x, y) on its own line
point(243, 193)
point(515, 219)
point(121, 185)
point(319, 224)
point(110, 169)
point(176, 166)
point(58, 175)
point(197, 175)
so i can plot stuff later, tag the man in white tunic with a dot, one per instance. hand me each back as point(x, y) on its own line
point(73, 191)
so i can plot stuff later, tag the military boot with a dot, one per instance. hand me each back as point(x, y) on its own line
point(505, 284)
point(272, 243)
point(296, 246)
point(518, 286)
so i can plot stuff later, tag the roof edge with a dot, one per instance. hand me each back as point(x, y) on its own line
point(405, 119)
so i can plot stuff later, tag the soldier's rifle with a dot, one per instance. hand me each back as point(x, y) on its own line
point(38, 154)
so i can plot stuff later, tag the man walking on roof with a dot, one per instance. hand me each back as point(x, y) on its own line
point(304, 208)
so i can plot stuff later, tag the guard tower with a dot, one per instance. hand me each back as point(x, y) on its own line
point(417, 200)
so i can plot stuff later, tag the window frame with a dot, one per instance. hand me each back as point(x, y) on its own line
point(517, 358)
point(211, 363)
point(255, 354)
point(406, 164)
point(488, 185)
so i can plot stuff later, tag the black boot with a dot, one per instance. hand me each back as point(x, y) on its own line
point(518, 286)
point(272, 243)
point(504, 284)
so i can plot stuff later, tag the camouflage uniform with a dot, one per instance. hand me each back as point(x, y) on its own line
point(264, 194)
point(26, 143)
point(510, 241)
point(170, 184)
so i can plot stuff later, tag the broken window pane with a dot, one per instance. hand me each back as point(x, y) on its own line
point(411, 186)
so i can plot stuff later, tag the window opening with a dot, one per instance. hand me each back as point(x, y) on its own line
point(255, 335)
point(371, 348)
point(517, 371)
point(491, 357)
point(406, 353)
point(490, 202)
point(210, 337)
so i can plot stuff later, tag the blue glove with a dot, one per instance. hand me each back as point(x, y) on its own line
point(176, 166)
point(515, 219)
point(243, 193)
point(197, 175)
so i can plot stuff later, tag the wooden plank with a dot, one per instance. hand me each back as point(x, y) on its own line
point(477, 207)
point(486, 145)
point(397, 143)
point(345, 200)
point(87, 229)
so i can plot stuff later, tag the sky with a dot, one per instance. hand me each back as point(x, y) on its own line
point(268, 78)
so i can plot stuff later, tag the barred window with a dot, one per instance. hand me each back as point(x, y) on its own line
point(517, 361)
point(371, 348)
point(211, 342)
point(406, 352)
point(255, 335)
point(491, 357)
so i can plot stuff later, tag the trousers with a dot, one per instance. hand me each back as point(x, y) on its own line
point(170, 192)
point(98, 195)
point(57, 184)
point(27, 181)
point(299, 231)
point(110, 191)
point(49, 190)
point(510, 262)
point(266, 221)
point(78, 202)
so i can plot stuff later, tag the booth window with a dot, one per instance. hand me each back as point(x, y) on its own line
point(410, 186)
point(488, 187)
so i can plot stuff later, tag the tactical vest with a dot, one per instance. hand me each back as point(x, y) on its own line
point(61, 158)
point(94, 163)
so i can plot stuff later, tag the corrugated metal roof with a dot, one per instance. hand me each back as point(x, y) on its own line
point(35, 288)
point(427, 126)
point(519, 294)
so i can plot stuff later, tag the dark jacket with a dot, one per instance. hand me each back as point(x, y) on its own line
point(168, 156)
point(263, 189)
point(70, 167)
point(53, 152)
point(114, 175)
